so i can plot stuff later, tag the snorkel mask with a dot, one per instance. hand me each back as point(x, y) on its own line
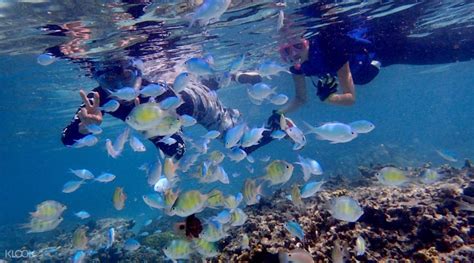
point(291, 52)
point(117, 76)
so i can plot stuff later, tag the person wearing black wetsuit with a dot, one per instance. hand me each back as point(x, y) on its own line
point(199, 101)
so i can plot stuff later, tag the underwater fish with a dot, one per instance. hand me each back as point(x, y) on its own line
point(233, 135)
point(94, 129)
point(126, 94)
point(311, 188)
point(199, 67)
point(216, 157)
point(187, 120)
point(362, 126)
point(110, 237)
point(163, 184)
point(309, 167)
point(110, 149)
point(187, 161)
point(168, 125)
point(293, 132)
point(131, 245)
point(110, 106)
point(251, 192)
point(206, 249)
point(153, 171)
point(245, 242)
point(295, 229)
point(188, 203)
point(152, 90)
point(168, 140)
point(145, 116)
point(221, 175)
point(155, 200)
point(48, 210)
point(238, 217)
point(297, 255)
point(119, 198)
point(296, 196)
point(213, 231)
point(79, 238)
point(83, 174)
point(360, 246)
point(391, 176)
point(71, 186)
point(210, 10)
point(86, 141)
point(304, 167)
point(136, 144)
point(170, 197)
point(82, 214)
point(105, 178)
point(278, 172)
point(231, 202)
point(178, 249)
point(223, 217)
point(215, 199)
point(211, 135)
point(278, 99)
point(237, 154)
point(169, 169)
point(345, 208)
point(447, 155)
point(251, 137)
point(181, 81)
point(45, 59)
point(269, 68)
point(148, 222)
point(121, 139)
point(236, 64)
point(430, 176)
point(79, 257)
point(201, 145)
point(335, 132)
point(170, 103)
point(37, 225)
point(145, 234)
point(260, 91)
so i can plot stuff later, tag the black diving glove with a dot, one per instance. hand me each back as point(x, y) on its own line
point(326, 86)
point(273, 122)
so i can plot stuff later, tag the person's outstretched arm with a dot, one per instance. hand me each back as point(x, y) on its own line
point(88, 113)
point(301, 95)
point(347, 97)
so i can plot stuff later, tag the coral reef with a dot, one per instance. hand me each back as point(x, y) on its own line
point(422, 223)
point(416, 222)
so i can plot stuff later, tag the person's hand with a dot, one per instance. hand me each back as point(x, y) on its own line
point(326, 87)
point(90, 114)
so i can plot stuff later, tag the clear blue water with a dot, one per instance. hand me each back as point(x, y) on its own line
point(416, 109)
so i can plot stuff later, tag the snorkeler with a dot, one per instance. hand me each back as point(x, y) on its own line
point(325, 56)
point(199, 101)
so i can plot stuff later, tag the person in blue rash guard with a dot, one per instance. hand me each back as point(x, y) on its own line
point(199, 101)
